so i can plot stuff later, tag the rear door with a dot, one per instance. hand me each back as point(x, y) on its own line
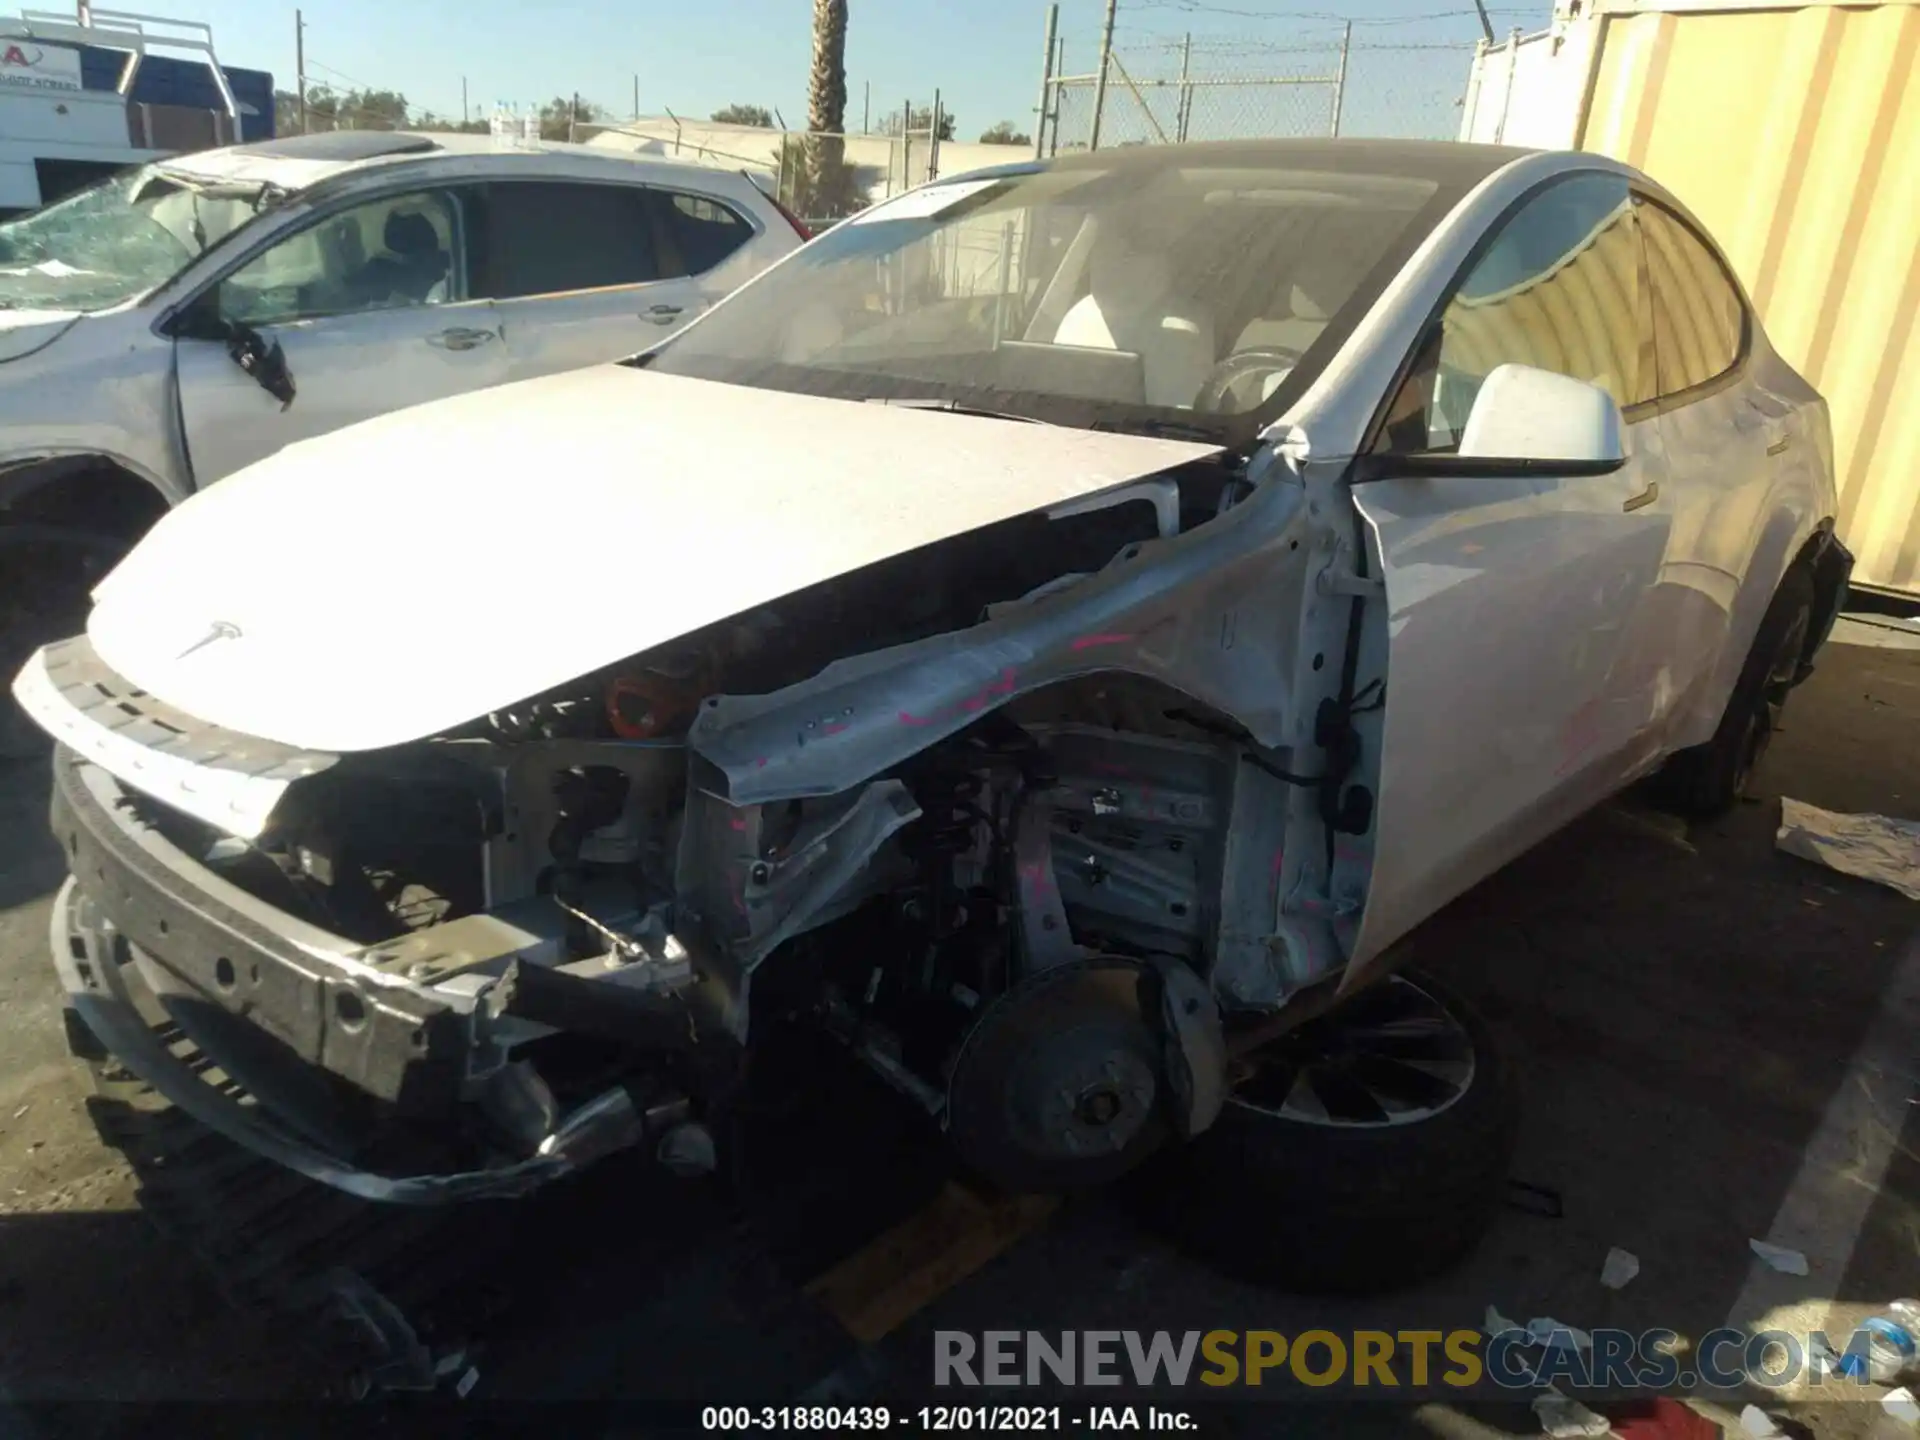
point(1725, 434)
point(588, 272)
point(1512, 703)
point(371, 306)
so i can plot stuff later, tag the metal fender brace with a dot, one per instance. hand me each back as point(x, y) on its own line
point(1348, 810)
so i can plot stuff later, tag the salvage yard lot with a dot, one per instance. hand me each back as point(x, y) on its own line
point(1683, 1007)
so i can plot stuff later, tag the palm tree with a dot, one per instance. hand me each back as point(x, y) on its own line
point(827, 109)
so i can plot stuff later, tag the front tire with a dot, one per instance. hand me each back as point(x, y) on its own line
point(1362, 1152)
point(1708, 780)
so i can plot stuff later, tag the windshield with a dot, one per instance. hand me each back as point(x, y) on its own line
point(116, 240)
point(1129, 295)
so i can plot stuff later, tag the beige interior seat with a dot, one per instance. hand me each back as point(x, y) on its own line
point(1130, 306)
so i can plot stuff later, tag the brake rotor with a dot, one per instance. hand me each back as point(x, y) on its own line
point(1061, 1084)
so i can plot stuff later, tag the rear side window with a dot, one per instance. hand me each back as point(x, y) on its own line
point(1699, 320)
point(703, 229)
point(546, 238)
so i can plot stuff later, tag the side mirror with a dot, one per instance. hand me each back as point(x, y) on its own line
point(1524, 413)
point(1525, 422)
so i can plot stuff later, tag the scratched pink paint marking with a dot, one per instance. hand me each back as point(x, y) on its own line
point(738, 824)
point(1090, 642)
point(761, 763)
point(833, 729)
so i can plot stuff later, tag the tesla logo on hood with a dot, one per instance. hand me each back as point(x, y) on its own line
point(219, 630)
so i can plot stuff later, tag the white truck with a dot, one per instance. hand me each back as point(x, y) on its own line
point(85, 96)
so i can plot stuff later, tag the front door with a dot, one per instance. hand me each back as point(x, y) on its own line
point(370, 307)
point(1514, 695)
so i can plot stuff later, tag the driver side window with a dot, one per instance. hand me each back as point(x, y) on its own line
point(1560, 287)
point(397, 251)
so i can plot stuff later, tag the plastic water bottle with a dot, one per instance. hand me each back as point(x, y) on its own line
point(497, 122)
point(1893, 1346)
point(530, 127)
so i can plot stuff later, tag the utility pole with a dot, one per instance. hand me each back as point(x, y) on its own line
point(1340, 77)
point(636, 97)
point(463, 100)
point(300, 65)
point(906, 145)
point(866, 107)
point(1181, 111)
point(573, 118)
point(1485, 23)
point(933, 139)
point(1100, 77)
point(1046, 84)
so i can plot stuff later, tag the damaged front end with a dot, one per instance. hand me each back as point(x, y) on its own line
point(1028, 819)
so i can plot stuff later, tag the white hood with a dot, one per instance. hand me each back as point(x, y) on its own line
point(405, 575)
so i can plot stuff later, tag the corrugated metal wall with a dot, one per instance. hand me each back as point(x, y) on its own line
point(1795, 135)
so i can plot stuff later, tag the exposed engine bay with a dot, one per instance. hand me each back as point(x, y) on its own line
point(1036, 912)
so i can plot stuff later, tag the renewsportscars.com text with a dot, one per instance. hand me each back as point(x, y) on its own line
point(1382, 1359)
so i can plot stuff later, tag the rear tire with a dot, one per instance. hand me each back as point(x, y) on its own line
point(1708, 780)
point(1351, 1205)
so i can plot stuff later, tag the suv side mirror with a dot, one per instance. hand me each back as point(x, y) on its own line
point(1524, 413)
point(1525, 421)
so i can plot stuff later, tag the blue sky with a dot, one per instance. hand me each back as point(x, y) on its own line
point(695, 55)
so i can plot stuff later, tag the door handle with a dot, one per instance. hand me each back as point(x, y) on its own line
point(460, 338)
point(1645, 498)
point(662, 314)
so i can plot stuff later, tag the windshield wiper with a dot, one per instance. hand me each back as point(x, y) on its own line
point(952, 407)
point(1161, 429)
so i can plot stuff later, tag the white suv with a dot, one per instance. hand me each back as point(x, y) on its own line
point(171, 325)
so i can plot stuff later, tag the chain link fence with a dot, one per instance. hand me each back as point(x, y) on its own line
point(1226, 89)
point(821, 177)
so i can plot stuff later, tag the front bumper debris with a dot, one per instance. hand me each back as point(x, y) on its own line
point(135, 899)
point(405, 1044)
point(82, 940)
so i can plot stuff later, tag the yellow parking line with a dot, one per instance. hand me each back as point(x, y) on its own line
point(874, 1290)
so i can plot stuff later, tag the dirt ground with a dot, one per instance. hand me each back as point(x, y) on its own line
point(1688, 1009)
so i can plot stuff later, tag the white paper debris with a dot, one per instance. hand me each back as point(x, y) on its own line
point(1901, 1405)
point(1557, 1334)
point(1873, 847)
point(1565, 1418)
point(1618, 1268)
point(1778, 1257)
point(1757, 1423)
point(467, 1382)
point(1498, 1324)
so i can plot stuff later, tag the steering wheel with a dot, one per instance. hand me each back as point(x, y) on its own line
point(1237, 367)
